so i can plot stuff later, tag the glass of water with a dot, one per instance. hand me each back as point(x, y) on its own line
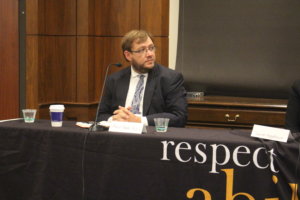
point(161, 124)
point(29, 115)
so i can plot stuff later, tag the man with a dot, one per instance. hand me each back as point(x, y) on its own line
point(145, 90)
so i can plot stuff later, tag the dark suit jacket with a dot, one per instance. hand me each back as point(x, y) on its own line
point(164, 96)
point(292, 120)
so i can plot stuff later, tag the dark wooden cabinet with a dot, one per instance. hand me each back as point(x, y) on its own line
point(241, 112)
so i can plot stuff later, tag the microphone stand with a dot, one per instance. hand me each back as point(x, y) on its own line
point(95, 126)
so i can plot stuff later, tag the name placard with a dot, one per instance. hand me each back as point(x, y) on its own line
point(270, 133)
point(126, 127)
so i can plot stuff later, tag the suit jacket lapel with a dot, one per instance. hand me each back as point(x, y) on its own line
point(122, 88)
point(150, 88)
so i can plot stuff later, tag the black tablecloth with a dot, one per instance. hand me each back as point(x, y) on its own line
point(38, 161)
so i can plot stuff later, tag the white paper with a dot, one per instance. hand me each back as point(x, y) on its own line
point(7, 120)
point(270, 133)
point(126, 127)
point(83, 124)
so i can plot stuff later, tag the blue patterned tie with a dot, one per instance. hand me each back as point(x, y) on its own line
point(135, 105)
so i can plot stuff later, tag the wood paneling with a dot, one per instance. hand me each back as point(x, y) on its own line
point(60, 17)
point(85, 17)
point(86, 68)
point(9, 59)
point(57, 69)
point(107, 17)
point(116, 17)
point(162, 52)
point(33, 17)
point(108, 50)
point(55, 17)
point(155, 17)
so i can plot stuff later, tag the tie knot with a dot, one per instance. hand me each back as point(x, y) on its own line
point(141, 76)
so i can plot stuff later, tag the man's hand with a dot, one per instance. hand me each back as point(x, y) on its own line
point(125, 115)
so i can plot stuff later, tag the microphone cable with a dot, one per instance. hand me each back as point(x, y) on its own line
point(92, 128)
point(83, 163)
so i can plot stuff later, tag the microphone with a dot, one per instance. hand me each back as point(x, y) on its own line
point(94, 126)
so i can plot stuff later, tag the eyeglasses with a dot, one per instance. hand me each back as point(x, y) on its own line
point(144, 50)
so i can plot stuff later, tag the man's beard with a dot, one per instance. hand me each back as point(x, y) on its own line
point(140, 68)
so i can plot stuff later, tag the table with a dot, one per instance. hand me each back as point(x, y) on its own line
point(40, 162)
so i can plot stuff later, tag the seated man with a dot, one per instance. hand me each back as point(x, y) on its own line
point(292, 120)
point(144, 90)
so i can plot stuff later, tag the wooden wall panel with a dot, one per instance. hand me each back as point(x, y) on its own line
point(60, 17)
point(155, 17)
point(9, 59)
point(162, 44)
point(57, 69)
point(85, 17)
point(107, 51)
point(116, 17)
point(86, 68)
point(55, 17)
point(33, 17)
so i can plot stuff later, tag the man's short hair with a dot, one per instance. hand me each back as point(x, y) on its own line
point(139, 35)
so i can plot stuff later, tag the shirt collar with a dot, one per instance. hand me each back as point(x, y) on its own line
point(134, 74)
